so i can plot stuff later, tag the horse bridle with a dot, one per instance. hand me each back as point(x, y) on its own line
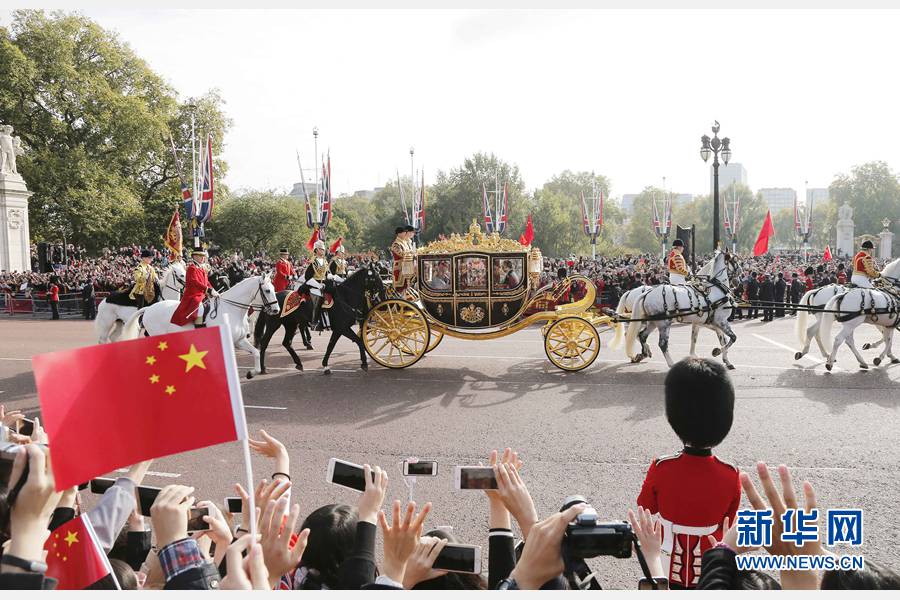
point(266, 304)
point(177, 280)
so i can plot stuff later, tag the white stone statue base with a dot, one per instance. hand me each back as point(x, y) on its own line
point(887, 240)
point(15, 245)
point(845, 238)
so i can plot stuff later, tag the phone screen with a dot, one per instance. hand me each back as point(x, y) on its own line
point(195, 519)
point(146, 498)
point(26, 427)
point(458, 558)
point(234, 504)
point(348, 475)
point(101, 484)
point(477, 478)
point(423, 468)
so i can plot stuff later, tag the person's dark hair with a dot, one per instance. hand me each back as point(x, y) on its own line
point(872, 577)
point(699, 401)
point(451, 581)
point(755, 580)
point(123, 573)
point(332, 529)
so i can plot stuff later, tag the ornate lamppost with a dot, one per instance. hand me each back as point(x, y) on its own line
point(715, 146)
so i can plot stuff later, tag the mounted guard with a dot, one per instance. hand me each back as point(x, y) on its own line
point(338, 265)
point(145, 281)
point(315, 277)
point(864, 270)
point(196, 288)
point(678, 270)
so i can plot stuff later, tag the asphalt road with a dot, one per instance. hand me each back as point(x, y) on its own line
point(592, 433)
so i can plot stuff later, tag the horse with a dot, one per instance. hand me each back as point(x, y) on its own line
point(352, 299)
point(112, 314)
point(233, 303)
point(878, 307)
point(813, 300)
point(704, 304)
point(267, 325)
point(626, 305)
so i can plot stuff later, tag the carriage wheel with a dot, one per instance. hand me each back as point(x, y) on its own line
point(396, 334)
point(436, 338)
point(572, 343)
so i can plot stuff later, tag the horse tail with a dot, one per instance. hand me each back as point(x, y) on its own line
point(637, 312)
point(828, 320)
point(801, 318)
point(132, 328)
point(618, 326)
point(102, 326)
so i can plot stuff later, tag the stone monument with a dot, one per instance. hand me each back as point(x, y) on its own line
point(844, 228)
point(887, 240)
point(15, 244)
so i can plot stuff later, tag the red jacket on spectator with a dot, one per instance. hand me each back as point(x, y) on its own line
point(54, 292)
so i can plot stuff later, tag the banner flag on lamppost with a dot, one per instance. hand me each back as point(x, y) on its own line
point(486, 208)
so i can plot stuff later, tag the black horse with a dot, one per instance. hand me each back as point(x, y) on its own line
point(352, 299)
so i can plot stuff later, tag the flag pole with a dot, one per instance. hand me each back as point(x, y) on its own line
point(194, 231)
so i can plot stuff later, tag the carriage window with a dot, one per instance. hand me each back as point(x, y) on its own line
point(436, 273)
point(471, 273)
point(507, 273)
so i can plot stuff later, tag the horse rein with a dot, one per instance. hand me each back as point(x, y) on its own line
point(263, 306)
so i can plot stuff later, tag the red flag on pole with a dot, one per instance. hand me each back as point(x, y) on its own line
point(113, 405)
point(74, 557)
point(762, 241)
point(526, 238)
point(827, 255)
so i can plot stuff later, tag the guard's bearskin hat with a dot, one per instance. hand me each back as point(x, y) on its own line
point(699, 402)
point(868, 245)
point(678, 244)
point(841, 267)
point(809, 271)
point(146, 253)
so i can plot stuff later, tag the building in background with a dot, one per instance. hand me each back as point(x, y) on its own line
point(778, 199)
point(627, 201)
point(818, 196)
point(728, 174)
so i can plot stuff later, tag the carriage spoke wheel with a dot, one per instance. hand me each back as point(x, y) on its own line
point(436, 338)
point(572, 343)
point(396, 334)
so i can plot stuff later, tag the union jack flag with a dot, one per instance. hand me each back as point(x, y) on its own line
point(585, 220)
point(206, 183)
point(419, 207)
point(488, 219)
point(325, 202)
point(503, 212)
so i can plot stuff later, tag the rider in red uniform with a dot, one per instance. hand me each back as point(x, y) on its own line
point(196, 286)
point(284, 270)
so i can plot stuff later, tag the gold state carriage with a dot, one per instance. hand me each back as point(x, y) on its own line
point(478, 286)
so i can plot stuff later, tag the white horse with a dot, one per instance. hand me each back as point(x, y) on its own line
point(813, 300)
point(626, 305)
point(862, 305)
point(256, 292)
point(704, 304)
point(110, 317)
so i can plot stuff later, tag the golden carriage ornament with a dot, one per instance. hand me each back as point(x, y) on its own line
point(482, 286)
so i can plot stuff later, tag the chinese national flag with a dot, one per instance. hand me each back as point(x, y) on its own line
point(113, 405)
point(767, 231)
point(526, 238)
point(827, 255)
point(74, 558)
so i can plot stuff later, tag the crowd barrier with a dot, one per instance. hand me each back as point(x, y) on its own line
point(69, 304)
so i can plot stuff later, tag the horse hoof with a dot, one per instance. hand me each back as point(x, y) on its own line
point(716, 351)
point(894, 361)
point(730, 366)
point(827, 366)
point(326, 371)
point(249, 374)
point(866, 346)
point(263, 371)
point(365, 367)
point(308, 346)
point(298, 367)
point(798, 355)
point(863, 367)
point(876, 361)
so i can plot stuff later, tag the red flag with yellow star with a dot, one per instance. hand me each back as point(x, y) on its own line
point(112, 405)
point(74, 558)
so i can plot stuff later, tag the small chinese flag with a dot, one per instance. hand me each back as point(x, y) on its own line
point(526, 238)
point(827, 255)
point(113, 405)
point(74, 557)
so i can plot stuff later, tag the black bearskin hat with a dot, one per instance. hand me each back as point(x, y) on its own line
point(699, 402)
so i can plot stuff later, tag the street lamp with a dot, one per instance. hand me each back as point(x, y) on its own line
point(714, 146)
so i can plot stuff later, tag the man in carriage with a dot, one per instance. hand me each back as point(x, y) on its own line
point(284, 271)
point(196, 288)
point(678, 270)
point(145, 281)
point(864, 270)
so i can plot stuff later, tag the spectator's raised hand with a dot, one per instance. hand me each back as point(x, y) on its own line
point(248, 573)
point(420, 566)
point(729, 537)
point(31, 509)
point(9, 418)
point(401, 537)
point(649, 533)
point(276, 532)
point(269, 446)
point(541, 558)
point(373, 497)
point(515, 497)
point(39, 436)
point(169, 514)
point(218, 531)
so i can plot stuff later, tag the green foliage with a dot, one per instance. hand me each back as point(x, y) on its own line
point(95, 122)
point(873, 192)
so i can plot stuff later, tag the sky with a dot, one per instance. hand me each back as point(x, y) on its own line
point(802, 94)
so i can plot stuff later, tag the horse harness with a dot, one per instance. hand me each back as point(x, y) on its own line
point(892, 309)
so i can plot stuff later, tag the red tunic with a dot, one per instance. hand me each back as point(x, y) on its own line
point(283, 271)
point(692, 495)
point(54, 293)
point(196, 283)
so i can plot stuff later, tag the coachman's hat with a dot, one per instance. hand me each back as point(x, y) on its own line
point(678, 244)
point(868, 245)
point(199, 250)
point(146, 253)
point(399, 230)
point(409, 228)
point(284, 251)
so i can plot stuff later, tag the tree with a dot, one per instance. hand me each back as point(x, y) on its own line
point(95, 122)
point(873, 192)
point(640, 234)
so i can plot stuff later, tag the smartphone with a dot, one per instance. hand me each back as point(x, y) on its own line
point(26, 427)
point(101, 484)
point(460, 558)
point(475, 478)
point(195, 519)
point(234, 504)
point(346, 474)
point(7, 456)
point(146, 497)
point(83, 486)
point(421, 468)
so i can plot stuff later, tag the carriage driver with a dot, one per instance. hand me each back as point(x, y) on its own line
point(316, 274)
point(402, 251)
point(864, 267)
point(196, 287)
point(144, 288)
point(677, 267)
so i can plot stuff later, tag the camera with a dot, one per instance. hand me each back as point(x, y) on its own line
point(588, 537)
